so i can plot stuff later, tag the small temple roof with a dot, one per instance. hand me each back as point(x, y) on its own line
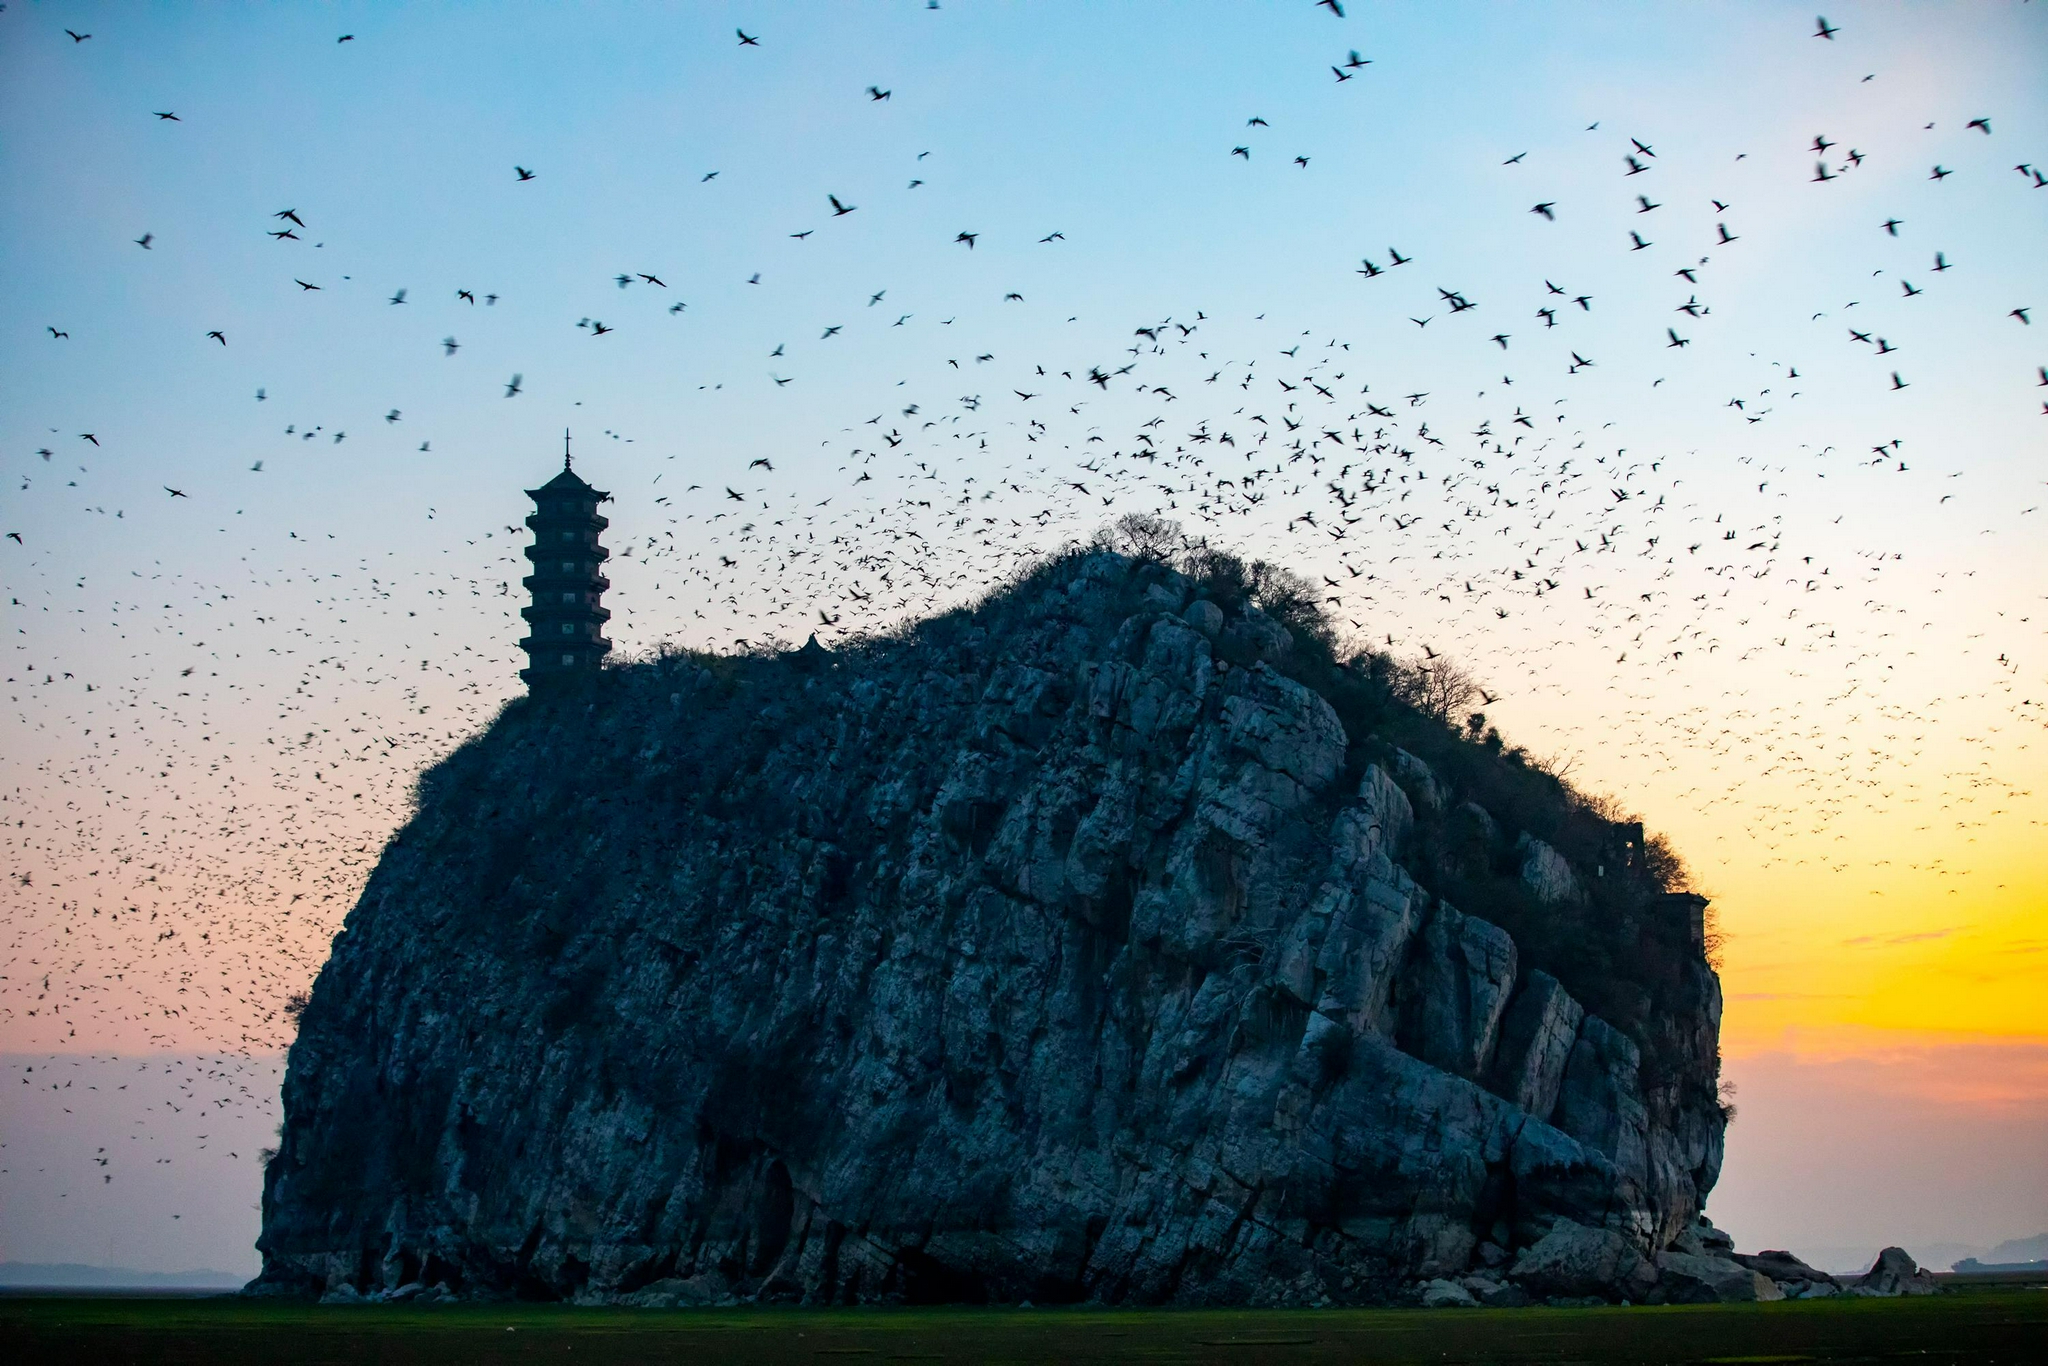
point(566, 482)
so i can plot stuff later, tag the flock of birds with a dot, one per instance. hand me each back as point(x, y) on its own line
point(210, 807)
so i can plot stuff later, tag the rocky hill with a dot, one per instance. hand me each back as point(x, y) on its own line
point(1110, 940)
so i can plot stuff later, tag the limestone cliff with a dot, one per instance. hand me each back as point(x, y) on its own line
point(1106, 941)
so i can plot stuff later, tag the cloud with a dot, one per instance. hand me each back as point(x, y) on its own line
point(1916, 937)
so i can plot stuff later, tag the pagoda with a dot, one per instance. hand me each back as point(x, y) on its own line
point(565, 643)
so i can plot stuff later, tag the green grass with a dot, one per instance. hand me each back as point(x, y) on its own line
point(1969, 1325)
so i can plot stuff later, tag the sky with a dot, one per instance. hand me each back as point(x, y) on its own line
point(1755, 548)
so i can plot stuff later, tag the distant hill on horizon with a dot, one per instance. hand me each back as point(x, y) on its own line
point(79, 1276)
point(2034, 1249)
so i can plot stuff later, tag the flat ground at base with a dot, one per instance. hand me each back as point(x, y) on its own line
point(1967, 1325)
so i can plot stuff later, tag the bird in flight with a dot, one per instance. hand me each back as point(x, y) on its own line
point(77, 37)
point(144, 240)
point(1332, 6)
point(840, 210)
point(522, 173)
point(1940, 173)
point(1825, 29)
point(745, 41)
point(513, 388)
point(1676, 340)
point(1515, 158)
point(1982, 125)
point(175, 493)
point(449, 346)
point(219, 336)
point(398, 298)
point(876, 93)
point(1244, 152)
point(173, 118)
point(968, 238)
point(302, 284)
point(1545, 209)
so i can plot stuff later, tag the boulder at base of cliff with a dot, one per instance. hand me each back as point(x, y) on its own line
point(1447, 1295)
point(1575, 1261)
point(1493, 1292)
point(1794, 1277)
point(1687, 1278)
point(1895, 1273)
point(681, 1292)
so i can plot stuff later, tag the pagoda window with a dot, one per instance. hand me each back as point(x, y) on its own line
point(568, 567)
point(568, 597)
point(568, 659)
point(568, 628)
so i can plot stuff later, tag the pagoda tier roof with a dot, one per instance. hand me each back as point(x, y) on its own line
point(566, 482)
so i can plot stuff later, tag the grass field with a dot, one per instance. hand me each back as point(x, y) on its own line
point(1989, 1324)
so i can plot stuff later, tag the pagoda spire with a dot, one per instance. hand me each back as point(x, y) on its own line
point(565, 448)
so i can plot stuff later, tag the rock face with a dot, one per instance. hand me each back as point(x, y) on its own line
point(1572, 1260)
point(1081, 946)
point(1895, 1273)
point(1692, 1278)
point(1546, 872)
